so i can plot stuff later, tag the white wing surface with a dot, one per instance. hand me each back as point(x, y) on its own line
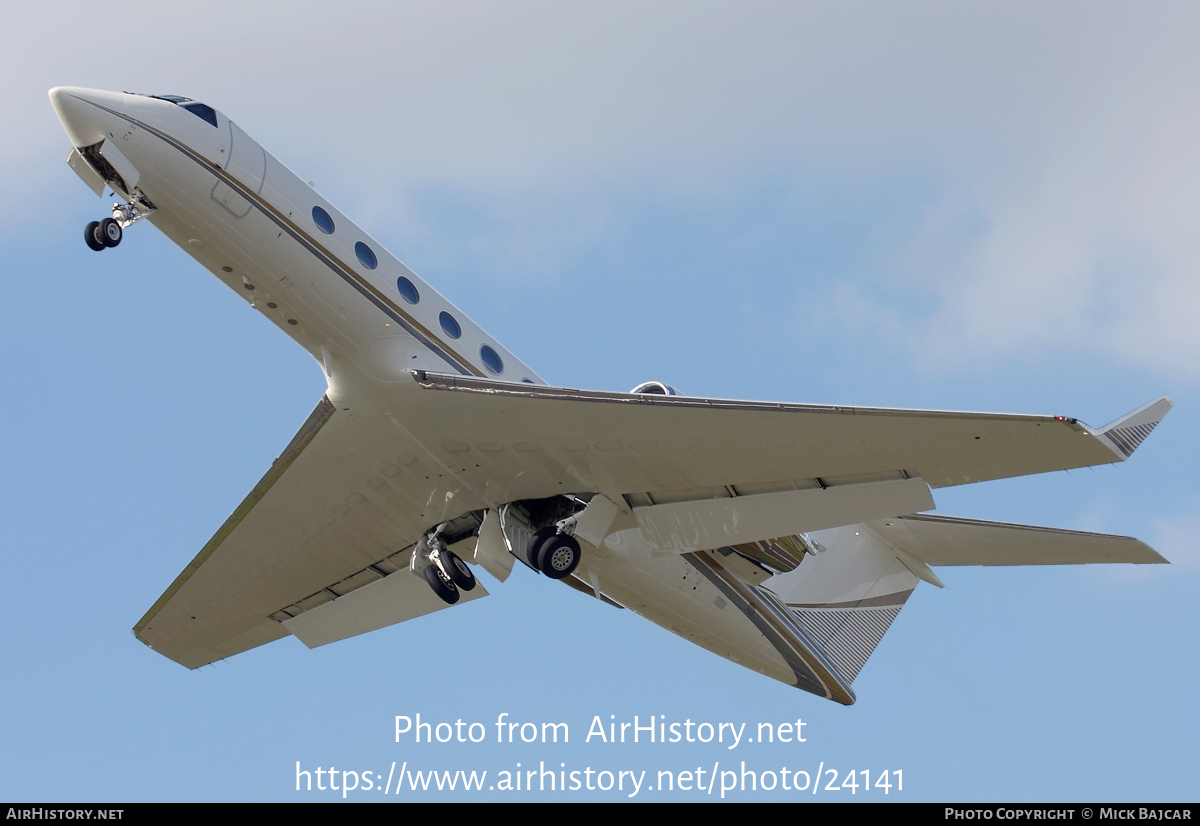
point(336, 513)
point(678, 448)
point(361, 482)
point(951, 540)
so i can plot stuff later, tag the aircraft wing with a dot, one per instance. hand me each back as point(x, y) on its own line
point(318, 547)
point(679, 448)
point(334, 518)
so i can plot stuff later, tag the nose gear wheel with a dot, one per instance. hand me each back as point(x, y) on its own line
point(100, 235)
point(91, 235)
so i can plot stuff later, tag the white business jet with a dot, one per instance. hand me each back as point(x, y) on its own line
point(783, 537)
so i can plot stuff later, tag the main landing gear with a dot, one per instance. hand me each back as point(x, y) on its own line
point(100, 235)
point(554, 553)
point(443, 570)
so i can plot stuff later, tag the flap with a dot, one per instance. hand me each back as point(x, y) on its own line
point(712, 523)
point(397, 597)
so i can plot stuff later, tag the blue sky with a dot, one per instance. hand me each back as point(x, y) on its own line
point(985, 206)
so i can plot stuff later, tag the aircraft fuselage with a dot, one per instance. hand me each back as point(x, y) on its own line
point(251, 222)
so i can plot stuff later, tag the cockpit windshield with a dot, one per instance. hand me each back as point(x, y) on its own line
point(201, 110)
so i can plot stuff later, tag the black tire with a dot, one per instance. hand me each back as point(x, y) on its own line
point(110, 232)
point(459, 573)
point(441, 586)
point(533, 549)
point(91, 235)
point(559, 556)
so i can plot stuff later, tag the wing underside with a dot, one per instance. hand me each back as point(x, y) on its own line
point(334, 517)
point(360, 483)
point(949, 540)
point(659, 449)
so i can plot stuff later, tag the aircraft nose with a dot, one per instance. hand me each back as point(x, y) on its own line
point(83, 112)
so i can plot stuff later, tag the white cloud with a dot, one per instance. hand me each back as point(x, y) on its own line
point(1065, 134)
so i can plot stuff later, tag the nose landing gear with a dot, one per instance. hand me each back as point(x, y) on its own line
point(92, 236)
point(100, 235)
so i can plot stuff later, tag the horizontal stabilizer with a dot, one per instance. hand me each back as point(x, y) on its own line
point(949, 540)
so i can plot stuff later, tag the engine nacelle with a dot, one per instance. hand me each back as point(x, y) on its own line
point(656, 388)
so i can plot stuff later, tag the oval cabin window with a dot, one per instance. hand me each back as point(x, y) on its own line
point(491, 360)
point(407, 290)
point(450, 325)
point(322, 220)
point(365, 256)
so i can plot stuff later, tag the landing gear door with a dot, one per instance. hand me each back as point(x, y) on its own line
point(84, 170)
point(491, 550)
point(123, 166)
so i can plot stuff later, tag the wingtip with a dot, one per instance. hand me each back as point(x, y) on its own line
point(1128, 432)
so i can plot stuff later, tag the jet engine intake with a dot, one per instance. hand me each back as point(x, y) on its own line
point(656, 388)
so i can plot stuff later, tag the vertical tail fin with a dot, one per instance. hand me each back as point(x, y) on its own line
point(846, 596)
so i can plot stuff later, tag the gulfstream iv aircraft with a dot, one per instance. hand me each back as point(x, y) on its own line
point(784, 537)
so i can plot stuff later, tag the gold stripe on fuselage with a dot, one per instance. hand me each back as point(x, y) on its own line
point(346, 273)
